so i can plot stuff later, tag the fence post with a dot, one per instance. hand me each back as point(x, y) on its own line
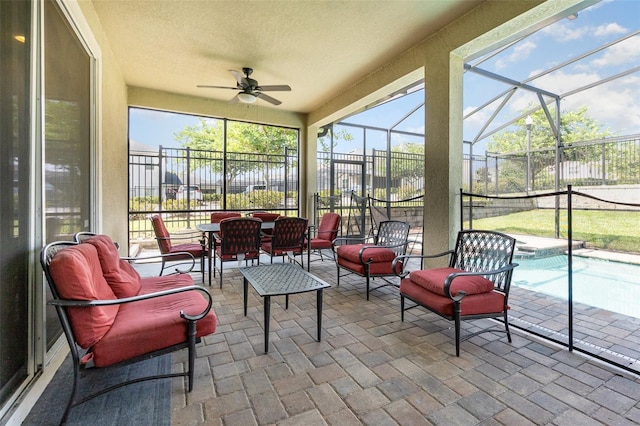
point(160, 176)
point(570, 266)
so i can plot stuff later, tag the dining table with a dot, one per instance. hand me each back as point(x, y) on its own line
point(210, 229)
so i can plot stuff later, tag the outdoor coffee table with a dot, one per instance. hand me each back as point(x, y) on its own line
point(281, 279)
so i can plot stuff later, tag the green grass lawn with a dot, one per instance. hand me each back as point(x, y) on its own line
point(610, 230)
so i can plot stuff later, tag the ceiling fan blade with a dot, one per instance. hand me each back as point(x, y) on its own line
point(268, 98)
point(274, 88)
point(206, 86)
point(241, 79)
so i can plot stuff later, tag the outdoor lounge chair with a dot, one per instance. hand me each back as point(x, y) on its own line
point(475, 283)
point(373, 259)
point(111, 317)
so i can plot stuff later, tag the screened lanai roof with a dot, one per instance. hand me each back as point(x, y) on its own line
point(589, 58)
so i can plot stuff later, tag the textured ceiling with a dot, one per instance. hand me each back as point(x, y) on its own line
point(320, 48)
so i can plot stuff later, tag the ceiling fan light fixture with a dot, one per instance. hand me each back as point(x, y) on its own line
point(246, 98)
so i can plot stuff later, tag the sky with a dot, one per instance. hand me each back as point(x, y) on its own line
point(616, 103)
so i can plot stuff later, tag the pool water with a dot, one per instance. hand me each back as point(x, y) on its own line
point(612, 286)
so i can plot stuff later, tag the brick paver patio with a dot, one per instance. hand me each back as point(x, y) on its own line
point(371, 368)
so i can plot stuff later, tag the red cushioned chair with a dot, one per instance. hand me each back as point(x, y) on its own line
point(266, 217)
point(239, 239)
point(475, 284)
point(321, 237)
point(288, 238)
point(111, 318)
point(166, 244)
point(373, 260)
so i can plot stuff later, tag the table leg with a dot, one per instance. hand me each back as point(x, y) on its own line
point(246, 289)
point(319, 309)
point(209, 255)
point(267, 309)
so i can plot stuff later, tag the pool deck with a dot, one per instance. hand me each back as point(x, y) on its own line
point(528, 246)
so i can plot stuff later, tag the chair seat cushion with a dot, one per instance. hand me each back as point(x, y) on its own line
point(194, 248)
point(123, 279)
point(351, 252)
point(164, 282)
point(233, 256)
point(267, 247)
point(152, 324)
point(77, 275)
point(376, 268)
point(475, 304)
point(318, 243)
point(433, 280)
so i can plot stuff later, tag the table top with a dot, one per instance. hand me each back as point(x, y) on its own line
point(281, 278)
point(215, 227)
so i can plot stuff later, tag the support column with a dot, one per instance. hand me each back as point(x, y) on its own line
point(443, 149)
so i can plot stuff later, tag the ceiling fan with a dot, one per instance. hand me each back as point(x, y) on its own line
point(249, 88)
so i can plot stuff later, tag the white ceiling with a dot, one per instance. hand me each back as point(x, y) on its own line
point(318, 47)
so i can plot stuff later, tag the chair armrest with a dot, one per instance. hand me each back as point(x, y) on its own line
point(167, 257)
point(402, 258)
point(449, 280)
point(348, 240)
point(93, 303)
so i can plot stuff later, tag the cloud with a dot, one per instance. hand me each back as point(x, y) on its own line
point(625, 52)
point(613, 28)
point(563, 32)
point(614, 103)
point(520, 53)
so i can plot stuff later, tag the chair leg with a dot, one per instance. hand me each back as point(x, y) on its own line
point(367, 271)
point(162, 267)
point(202, 267)
point(506, 326)
point(401, 308)
point(338, 279)
point(191, 330)
point(221, 267)
point(456, 314)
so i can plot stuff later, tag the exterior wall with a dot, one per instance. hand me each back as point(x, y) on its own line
point(112, 151)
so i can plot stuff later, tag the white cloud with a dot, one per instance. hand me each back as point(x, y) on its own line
point(608, 29)
point(615, 103)
point(520, 53)
point(563, 32)
point(625, 52)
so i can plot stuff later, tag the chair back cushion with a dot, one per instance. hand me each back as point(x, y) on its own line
point(123, 279)
point(433, 280)
point(77, 275)
point(162, 235)
point(216, 217)
point(328, 227)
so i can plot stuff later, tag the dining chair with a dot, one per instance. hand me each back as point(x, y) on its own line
point(239, 241)
point(321, 237)
point(266, 217)
point(216, 217)
point(182, 251)
point(288, 239)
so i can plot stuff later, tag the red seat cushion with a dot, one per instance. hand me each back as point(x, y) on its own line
point(481, 303)
point(151, 324)
point(267, 247)
point(351, 252)
point(233, 256)
point(77, 275)
point(123, 279)
point(165, 282)
point(318, 243)
point(433, 280)
point(194, 248)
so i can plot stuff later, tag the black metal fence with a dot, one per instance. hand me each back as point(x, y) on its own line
point(612, 161)
point(186, 185)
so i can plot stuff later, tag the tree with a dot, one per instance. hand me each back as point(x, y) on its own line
point(575, 127)
point(248, 145)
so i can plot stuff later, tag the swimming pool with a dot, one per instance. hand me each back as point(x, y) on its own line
point(613, 286)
